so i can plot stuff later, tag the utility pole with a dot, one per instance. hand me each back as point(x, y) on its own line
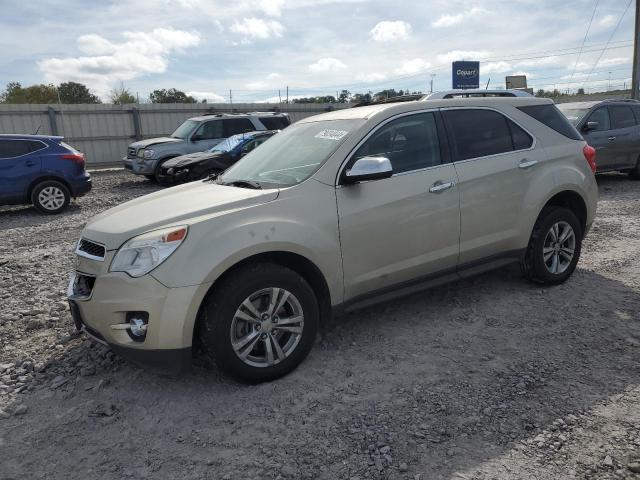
point(609, 84)
point(431, 83)
point(287, 94)
point(230, 97)
point(635, 82)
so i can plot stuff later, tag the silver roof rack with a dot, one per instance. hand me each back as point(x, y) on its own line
point(475, 93)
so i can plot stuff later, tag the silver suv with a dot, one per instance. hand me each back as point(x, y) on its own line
point(336, 212)
point(196, 134)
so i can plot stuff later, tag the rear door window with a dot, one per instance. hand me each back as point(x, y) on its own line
point(621, 116)
point(14, 148)
point(478, 133)
point(233, 126)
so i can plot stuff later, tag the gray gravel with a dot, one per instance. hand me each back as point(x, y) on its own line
point(487, 378)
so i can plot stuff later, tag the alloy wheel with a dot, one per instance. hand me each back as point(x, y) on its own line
point(559, 247)
point(51, 198)
point(267, 327)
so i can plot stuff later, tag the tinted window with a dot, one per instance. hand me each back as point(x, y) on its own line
point(233, 126)
point(210, 130)
point(478, 133)
point(274, 123)
point(521, 139)
point(621, 116)
point(552, 118)
point(14, 148)
point(600, 115)
point(410, 143)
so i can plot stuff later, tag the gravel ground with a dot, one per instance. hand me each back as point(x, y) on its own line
point(487, 378)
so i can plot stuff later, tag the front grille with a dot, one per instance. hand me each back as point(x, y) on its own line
point(131, 152)
point(91, 249)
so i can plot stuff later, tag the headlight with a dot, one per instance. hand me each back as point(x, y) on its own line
point(145, 252)
point(148, 153)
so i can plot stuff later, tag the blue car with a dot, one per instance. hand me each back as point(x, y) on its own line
point(41, 170)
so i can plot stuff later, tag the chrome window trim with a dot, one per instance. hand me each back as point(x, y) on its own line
point(373, 131)
point(84, 254)
point(532, 147)
point(44, 146)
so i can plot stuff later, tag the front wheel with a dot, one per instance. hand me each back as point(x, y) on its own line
point(554, 247)
point(260, 323)
point(50, 197)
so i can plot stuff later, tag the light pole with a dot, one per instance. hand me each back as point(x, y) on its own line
point(609, 84)
point(431, 83)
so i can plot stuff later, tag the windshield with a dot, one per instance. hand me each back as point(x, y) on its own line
point(228, 144)
point(574, 115)
point(184, 130)
point(293, 155)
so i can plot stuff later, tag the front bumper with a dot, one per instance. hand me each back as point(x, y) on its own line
point(101, 312)
point(140, 166)
point(175, 178)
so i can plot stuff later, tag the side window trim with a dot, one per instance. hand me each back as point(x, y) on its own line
point(44, 146)
point(452, 142)
point(441, 140)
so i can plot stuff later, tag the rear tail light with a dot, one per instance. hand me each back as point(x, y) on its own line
point(590, 156)
point(74, 157)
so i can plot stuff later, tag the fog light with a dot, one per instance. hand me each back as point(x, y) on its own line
point(138, 322)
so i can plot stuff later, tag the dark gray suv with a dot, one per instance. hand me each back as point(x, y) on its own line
point(612, 127)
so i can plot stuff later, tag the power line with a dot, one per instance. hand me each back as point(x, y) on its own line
point(609, 40)
point(595, 7)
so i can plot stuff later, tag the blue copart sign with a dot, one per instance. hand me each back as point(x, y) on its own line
point(466, 74)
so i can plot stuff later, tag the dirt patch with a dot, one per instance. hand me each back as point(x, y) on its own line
point(486, 378)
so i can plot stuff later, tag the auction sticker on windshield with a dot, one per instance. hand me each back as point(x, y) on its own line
point(331, 134)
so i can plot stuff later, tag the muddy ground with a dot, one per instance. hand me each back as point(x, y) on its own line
point(487, 378)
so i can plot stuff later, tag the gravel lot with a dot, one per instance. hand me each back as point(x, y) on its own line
point(487, 378)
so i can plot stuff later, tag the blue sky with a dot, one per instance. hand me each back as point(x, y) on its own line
point(256, 47)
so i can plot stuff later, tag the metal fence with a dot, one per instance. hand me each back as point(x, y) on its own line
point(103, 131)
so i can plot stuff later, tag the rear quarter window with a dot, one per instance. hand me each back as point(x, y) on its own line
point(550, 116)
point(274, 123)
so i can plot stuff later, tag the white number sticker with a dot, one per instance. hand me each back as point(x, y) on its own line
point(332, 134)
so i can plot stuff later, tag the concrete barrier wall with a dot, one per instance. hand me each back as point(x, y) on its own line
point(104, 131)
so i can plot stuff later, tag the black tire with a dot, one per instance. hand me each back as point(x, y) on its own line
point(534, 266)
point(151, 177)
point(156, 172)
point(50, 197)
point(216, 323)
point(634, 173)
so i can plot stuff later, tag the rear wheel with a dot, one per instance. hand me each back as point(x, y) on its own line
point(554, 247)
point(260, 323)
point(50, 197)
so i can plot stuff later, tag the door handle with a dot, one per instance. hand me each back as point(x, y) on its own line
point(440, 186)
point(524, 163)
point(611, 139)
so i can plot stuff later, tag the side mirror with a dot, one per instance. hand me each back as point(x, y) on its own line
point(368, 168)
point(587, 127)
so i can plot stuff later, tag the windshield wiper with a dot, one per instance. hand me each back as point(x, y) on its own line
point(241, 184)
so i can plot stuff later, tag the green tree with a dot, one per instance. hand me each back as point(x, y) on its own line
point(15, 93)
point(170, 96)
point(73, 92)
point(121, 95)
point(344, 96)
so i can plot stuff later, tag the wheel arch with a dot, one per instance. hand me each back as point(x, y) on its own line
point(296, 262)
point(46, 178)
point(573, 201)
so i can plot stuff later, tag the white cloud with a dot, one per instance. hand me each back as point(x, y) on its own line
point(327, 64)
point(448, 20)
point(256, 28)
point(455, 55)
point(604, 63)
point(410, 67)
point(370, 77)
point(211, 97)
point(541, 62)
point(270, 7)
point(495, 67)
point(608, 21)
point(268, 82)
point(108, 63)
point(389, 31)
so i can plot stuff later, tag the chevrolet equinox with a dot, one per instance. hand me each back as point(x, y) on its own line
point(336, 212)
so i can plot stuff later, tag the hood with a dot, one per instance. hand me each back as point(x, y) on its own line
point(154, 141)
point(173, 206)
point(184, 160)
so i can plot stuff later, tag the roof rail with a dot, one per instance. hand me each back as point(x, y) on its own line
point(633, 100)
point(476, 93)
point(400, 98)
